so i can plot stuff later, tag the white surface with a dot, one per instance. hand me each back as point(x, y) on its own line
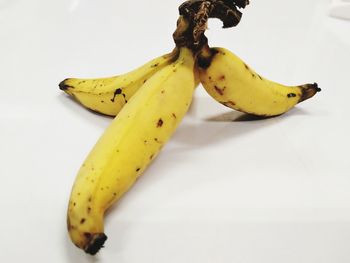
point(224, 189)
point(340, 9)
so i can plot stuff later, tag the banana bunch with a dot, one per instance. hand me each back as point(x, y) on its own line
point(151, 101)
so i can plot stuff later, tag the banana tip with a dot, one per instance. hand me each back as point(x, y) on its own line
point(309, 90)
point(317, 88)
point(95, 243)
point(63, 85)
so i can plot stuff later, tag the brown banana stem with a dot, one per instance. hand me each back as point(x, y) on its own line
point(195, 15)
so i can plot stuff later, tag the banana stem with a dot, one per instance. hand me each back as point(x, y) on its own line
point(201, 21)
point(194, 16)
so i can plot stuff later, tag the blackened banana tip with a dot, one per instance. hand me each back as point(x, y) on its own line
point(96, 243)
point(318, 89)
point(308, 91)
point(63, 86)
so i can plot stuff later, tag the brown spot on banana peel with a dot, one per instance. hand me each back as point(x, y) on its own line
point(157, 141)
point(124, 96)
point(160, 123)
point(251, 71)
point(219, 90)
point(116, 92)
point(308, 91)
point(229, 104)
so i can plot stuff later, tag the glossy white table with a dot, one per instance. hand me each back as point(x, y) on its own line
point(226, 188)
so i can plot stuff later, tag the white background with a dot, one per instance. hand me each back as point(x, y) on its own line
point(224, 189)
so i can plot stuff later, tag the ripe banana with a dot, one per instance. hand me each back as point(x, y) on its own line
point(109, 95)
point(127, 146)
point(234, 84)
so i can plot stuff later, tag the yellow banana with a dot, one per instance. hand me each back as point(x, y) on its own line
point(234, 84)
point(109, 95)
point(128, 145)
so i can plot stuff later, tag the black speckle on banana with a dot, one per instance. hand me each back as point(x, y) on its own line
point(125, 149)
point(234, 84)
point(109, 95)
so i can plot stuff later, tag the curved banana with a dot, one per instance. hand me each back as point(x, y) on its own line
point(127, 146)
point(234, 84)
point(109, 95)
